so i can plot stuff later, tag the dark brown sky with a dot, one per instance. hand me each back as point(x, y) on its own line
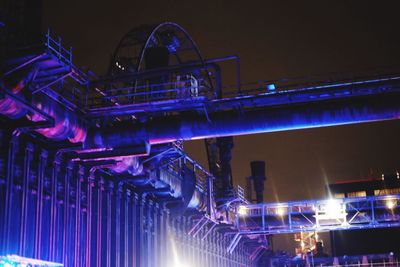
point(273, 39)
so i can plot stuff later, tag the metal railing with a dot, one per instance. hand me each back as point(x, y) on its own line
point(74, 93)
point(319, 215)
point(309, 260)
point(174, 160)
point(54, 44)
point(311, 82)
point(189, 82)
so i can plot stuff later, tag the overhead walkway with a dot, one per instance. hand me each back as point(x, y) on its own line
point(317, 216)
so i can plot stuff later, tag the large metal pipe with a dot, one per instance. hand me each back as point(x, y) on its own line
point(11, 108)
point(67, 124)
point(268, 119)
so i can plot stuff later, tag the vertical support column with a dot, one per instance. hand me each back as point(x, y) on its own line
point(289, 217)
point(199, 253)
point(222, 249)
point(183, 252)
point(39, 203)
point(213, 246)
point(110, 190)
point(66, 202)
point(141, 239)
point(160, 235)
point(149, 233)
point(225, 254)
point(77, 254)
point(53, 207)
point(154, 234)
point(373, 221)
point(25, 198)
point(126, 229)
point(100, 189)
point(262, 217)
point(164, 237)
point(190, 243)
point(207, 250)
point(118, 226)
point(135, 253)
point(13, 144)
point(194, 246)
point(89, 207)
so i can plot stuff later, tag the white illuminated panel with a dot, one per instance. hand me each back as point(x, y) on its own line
point(18, 261)
point(330, 212)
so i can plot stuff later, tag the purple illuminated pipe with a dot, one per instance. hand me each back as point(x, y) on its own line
point(231, 122)
point(10, 107)
point(132, 165)
point(67, 124)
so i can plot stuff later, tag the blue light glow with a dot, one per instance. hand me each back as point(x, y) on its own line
point(271, 87)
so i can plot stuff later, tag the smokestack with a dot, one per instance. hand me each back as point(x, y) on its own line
point(258, 177)
point(249, 188)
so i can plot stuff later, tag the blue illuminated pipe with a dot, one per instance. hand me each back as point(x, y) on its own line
point(232, 122)
point(165, 184)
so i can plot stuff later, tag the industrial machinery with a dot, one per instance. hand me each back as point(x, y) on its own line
point(93, 172)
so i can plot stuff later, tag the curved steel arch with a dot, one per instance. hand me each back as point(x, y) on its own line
point(139, 39)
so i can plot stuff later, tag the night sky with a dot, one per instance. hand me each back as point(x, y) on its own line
point(274, 39)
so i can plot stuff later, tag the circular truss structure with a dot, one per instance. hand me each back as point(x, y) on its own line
point(180, 71)
point(168, 39)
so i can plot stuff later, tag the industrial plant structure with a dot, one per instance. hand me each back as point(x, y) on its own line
point(93, 171)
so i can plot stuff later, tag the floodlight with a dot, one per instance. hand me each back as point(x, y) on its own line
point(391, 204)
point(333, 209)
point(280, 211)
point(242, 211)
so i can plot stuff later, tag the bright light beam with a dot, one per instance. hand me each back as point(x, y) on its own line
point(391, 204)
point(242, 211)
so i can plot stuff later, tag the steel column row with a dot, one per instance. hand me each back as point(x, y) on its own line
point(62, 211)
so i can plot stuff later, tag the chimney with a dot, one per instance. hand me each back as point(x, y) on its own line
point(258, 177)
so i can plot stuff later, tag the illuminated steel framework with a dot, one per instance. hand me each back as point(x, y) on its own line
point(92, 170)
point(117, 205)
point(317, 216)
point(320, 215)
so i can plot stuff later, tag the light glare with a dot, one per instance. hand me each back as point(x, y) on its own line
point(280, 211)
point(391, 204)
point(333, 209)
point(242, 211)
